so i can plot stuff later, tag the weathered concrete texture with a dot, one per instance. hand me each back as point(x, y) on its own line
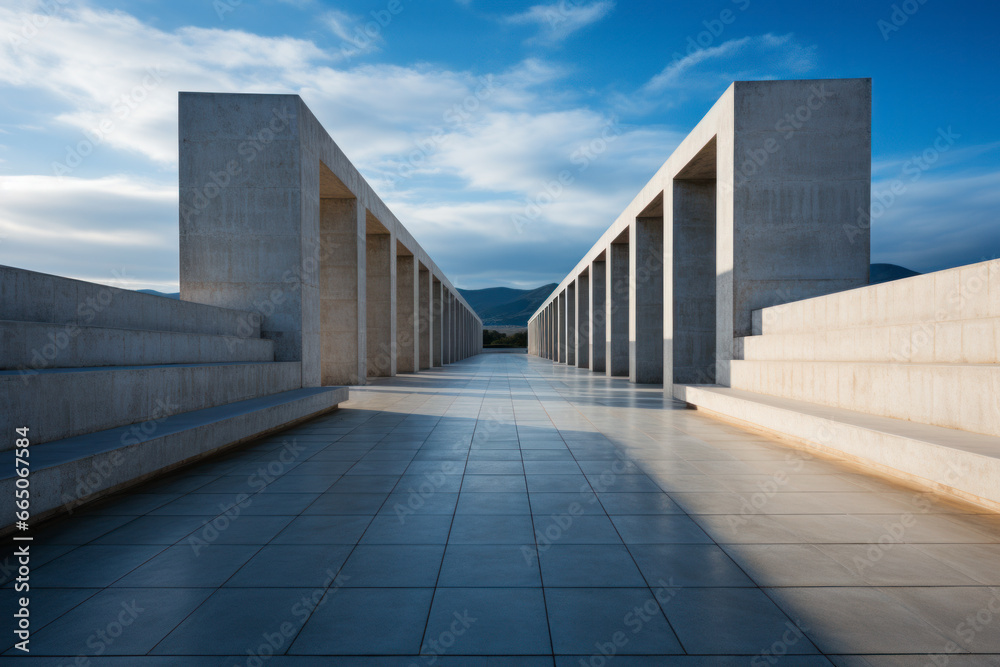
point(598, 315)
point(616, 350)
point(583, 321)
point(407, 321)
point(645, 311)
point(380, 303)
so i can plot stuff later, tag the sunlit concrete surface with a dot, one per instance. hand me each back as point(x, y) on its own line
point(507, 506)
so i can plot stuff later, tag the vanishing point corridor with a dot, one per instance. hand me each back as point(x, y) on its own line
point(543, 515)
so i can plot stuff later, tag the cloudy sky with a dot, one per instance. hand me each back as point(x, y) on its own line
point(460, 112)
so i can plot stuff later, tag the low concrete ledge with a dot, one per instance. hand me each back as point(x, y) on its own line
point(957, 463)
point(30, 296)
point(68, 473)
point(99, 398)
point(31, 346)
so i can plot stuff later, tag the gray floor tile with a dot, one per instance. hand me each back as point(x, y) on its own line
point(492, 529)
point(490, 565)
point(390, 565)
point(291, 566)
point(589, 566)
point(352, 621)
point(585, 619)
point(687, 565)
point(490, 621)
point(733, 620)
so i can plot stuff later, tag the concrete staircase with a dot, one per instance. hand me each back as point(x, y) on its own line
point(903, 376)
point(118, 386)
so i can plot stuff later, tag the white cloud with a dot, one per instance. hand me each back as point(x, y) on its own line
point(561, 19)
point(91, 228)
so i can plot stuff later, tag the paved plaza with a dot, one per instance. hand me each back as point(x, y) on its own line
point(508, 511)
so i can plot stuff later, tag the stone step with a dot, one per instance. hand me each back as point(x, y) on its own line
point(29, 296)
point(962, 341)
point(66, 473)
point(965, 293)
point(41, 345)
point(956, 396)
point(961, 464)
point(63, 402)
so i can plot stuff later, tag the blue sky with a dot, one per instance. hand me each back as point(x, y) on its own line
point(460, 112)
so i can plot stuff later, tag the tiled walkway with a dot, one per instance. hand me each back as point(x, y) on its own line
point(506, 506)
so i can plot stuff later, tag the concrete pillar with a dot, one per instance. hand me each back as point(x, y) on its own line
point(571, 323)
point(598, 315)
point(691, 324)
point(646, 299)
point(437, 323)
point(380, 301)
point(562, 327)
point(446, 320)
point(343, 345)
point(554, 330)
point(407, 306)
point(583, 320)
point(424, 327)
point(617, 300)
point(456, 329)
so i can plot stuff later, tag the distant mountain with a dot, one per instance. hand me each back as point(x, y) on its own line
point(505, 306)
point(172, 295)
point(883, 273)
